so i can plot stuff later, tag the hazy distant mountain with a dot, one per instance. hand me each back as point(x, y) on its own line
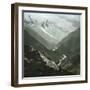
point(46, 33)
point(50, 29)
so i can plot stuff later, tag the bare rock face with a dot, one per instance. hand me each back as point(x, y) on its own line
point(72, 65)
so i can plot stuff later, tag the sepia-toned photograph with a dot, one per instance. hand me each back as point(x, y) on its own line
point(51, 44)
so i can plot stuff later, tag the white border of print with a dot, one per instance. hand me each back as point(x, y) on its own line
point(51, 78)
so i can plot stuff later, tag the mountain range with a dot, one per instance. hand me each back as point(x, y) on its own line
point(54, 41)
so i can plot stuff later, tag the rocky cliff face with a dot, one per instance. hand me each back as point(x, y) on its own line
point(36, 64)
